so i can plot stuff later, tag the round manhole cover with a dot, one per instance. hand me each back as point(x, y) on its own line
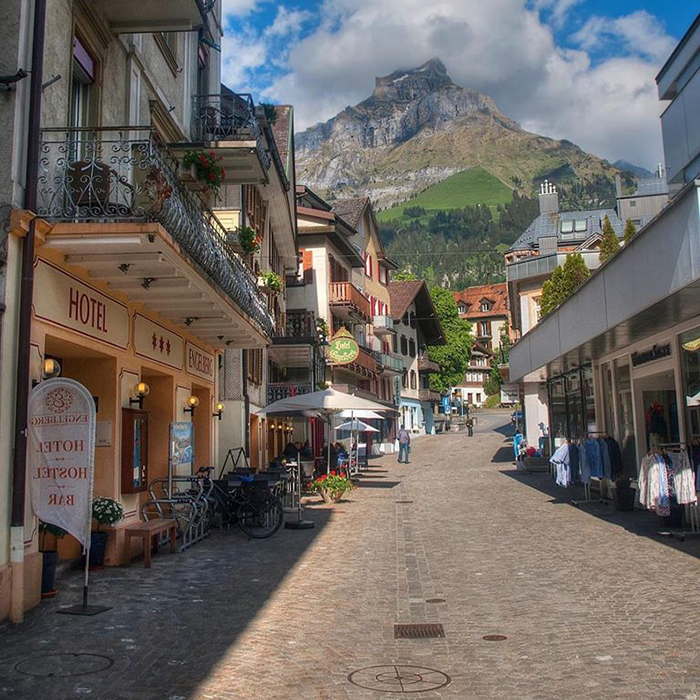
point(63, 665)
point(494, 638)
point(399, 679)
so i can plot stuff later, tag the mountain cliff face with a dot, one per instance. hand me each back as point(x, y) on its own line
point(418, 128)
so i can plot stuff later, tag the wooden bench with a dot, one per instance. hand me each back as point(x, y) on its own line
point(146, 531)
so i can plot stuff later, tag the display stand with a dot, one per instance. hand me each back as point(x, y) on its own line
point(299, 523)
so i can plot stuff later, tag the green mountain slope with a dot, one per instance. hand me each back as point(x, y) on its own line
point(466, 188)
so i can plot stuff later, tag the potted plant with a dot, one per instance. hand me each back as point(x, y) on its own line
point(48, 543)
point(322, 329)
point(249, 239)
point(331, 487)
point(623, 494)
point(204, 169)
point(105, 511)
point(270, 281)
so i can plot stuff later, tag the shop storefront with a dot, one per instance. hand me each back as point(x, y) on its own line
point(144, 374)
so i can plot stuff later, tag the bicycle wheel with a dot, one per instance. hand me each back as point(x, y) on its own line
point(261, 517)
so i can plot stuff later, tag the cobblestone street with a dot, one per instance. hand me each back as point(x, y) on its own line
point(583, 607)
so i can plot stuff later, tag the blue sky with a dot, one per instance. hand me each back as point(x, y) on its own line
point(576, 69)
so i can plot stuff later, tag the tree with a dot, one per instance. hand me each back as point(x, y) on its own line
point(630, 231)
point(493, 382)
point(565, 280)
point(403, 275)
point(453, 357)
point(609, 245)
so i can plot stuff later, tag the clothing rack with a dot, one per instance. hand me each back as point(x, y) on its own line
point(587, 498)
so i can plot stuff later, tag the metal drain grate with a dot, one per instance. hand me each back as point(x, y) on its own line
point(403, 501)
point(494, 638)
point(435, 600)
point(419, 631)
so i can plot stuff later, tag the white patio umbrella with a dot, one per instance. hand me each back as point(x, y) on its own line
point(327, 402)
point(356, 426)
point(360, 414)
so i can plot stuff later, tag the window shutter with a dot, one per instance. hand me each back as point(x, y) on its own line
point(308, 264)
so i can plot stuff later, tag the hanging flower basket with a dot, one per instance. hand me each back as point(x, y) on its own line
point(270, 282)
point(249, 239)
point(203, 170)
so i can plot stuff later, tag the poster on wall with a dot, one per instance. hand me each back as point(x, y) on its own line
point(182, 447)
point(61, 455)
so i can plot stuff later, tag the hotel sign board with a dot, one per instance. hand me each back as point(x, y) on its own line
point(343, 348)
point(61, 455)
point(199, 362)
point(157, 343)
point(65, 301)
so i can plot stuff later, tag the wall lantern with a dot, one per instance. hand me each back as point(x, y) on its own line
point(192, 403)
point(50, 369)
point(219, 411)
point(141, 391)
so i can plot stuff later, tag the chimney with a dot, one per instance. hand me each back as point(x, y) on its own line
point(549, 199)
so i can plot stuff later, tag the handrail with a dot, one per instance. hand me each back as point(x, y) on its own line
point(125, 174)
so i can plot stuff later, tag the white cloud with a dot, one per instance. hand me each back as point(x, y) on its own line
point(638, 33)
point(287, 22)
point(501, 48)
point(238, 8)
point(559, 8)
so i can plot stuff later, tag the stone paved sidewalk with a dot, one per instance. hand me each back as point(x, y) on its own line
point(589, 609)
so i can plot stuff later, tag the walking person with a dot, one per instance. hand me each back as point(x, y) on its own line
point(404, 444)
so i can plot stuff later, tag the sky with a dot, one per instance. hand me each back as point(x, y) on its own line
point(576, 69)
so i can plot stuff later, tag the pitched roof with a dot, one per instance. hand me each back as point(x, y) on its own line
point(351, 209)
point(497, 294)
point(402, 294)
point(550, 225)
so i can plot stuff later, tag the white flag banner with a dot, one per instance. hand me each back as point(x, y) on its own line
point(61, 455)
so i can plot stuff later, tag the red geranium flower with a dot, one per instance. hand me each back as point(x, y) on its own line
point(332, 472)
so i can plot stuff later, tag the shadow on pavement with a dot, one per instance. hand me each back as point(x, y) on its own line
point(169, 626)
point(642, 523)
point(504, 455)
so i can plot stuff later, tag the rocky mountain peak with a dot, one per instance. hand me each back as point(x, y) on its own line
point(404, 86)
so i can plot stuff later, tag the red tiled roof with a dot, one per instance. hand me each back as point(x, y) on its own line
point(497, 294)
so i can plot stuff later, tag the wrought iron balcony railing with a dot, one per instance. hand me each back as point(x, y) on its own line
point(227, 117)
point(285, 390)
point(123, 174)
point(298, 324)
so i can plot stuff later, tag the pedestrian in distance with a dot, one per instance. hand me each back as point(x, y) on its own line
point(404, 444)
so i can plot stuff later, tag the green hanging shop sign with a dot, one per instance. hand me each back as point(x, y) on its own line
point(343, 348)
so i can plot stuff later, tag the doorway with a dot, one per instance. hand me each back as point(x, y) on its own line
point(657, 410)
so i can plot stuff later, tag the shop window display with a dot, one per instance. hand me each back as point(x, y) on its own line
point(690, 354)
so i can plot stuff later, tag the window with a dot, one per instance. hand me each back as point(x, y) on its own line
point(580, 225)
point(255, 366)
point(82, 86)
point(484, 329)
point(167, 43)
point(633, 203)
point(462, 309)
point(404, 379)
point(368, 264)
point(485, 306)
point(412, 347)
point(567, 226)
point(404, 345)
point(412, 319)
point(536, 307)
point(383, 274)
point(413, 379)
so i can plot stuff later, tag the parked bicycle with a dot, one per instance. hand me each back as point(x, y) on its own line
point(251, 505)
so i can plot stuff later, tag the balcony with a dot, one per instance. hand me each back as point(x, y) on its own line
point(348, 303)
point(388, 363)
point(425, 364)
point(121, 213)
point(146, 16)
point(365, 365)
point(285, 390)
point(226, 126)
point(294, 340)
point(429, 395)
point(383, 326)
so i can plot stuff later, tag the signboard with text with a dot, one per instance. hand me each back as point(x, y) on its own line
point(343, 348)
point(199, 362)
point(61, 455)
point(66, 301)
